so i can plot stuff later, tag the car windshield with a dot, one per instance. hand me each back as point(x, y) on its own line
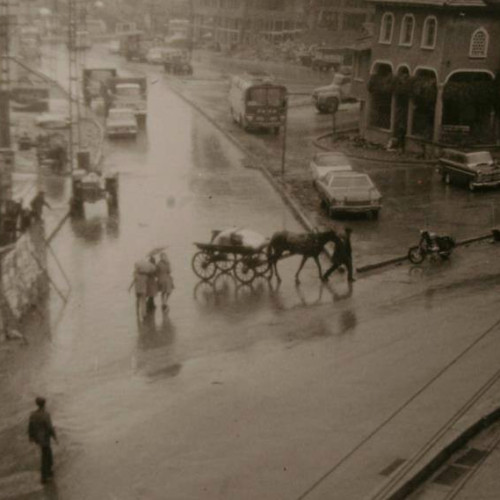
point(339, 181)
point(340, 79)
point(128, 91)
point(263, 96)
point(479, 157)
point(335, 160)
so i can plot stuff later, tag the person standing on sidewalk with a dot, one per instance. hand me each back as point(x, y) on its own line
point(40, 432)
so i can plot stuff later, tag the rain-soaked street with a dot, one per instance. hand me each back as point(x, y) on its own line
point(238, 392)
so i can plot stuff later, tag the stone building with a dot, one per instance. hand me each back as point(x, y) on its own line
point(232, 22)
point(339, 19)
point(429, 73)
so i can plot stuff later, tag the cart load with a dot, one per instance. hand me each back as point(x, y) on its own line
point(238, 250)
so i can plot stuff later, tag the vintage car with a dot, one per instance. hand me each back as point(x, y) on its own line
point(473, 169)
point(91, 187)
point(349, 192)
point(322, 163)
point(52, 121)
point(121, 122)
point(154, 55)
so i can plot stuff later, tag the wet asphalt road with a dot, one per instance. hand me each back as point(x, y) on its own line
point(238, 392)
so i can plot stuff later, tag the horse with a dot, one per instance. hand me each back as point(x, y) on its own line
point(305, 244)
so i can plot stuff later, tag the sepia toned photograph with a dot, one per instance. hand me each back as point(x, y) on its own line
point(249, 249)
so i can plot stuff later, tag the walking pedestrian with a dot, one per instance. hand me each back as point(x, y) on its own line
point(37, 204)
point(40, 432)
point(151, 287)
point(342, 255)
point(140, 285)
point(165, 281)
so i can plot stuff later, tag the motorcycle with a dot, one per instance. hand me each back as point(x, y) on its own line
point(432, 245)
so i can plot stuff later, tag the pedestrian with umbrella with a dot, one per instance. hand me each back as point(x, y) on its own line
point(142, 270)
point(165, 281)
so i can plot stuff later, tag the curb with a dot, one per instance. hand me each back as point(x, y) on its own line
point(399, 260)
point(367, 158)
point(442, 457)
point(59, 226)
point(258, 163)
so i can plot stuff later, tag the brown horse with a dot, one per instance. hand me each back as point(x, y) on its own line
point(306, 244)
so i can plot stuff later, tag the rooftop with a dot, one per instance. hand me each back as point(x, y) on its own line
point(437, 3)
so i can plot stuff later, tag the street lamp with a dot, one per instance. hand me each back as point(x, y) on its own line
point(285, 129)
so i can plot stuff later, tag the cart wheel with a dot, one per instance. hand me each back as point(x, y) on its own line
point(244, 270)
point(203, 265)
point(225, 262)
point(262, 265)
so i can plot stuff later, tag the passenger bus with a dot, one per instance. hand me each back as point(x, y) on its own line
point(257, 102)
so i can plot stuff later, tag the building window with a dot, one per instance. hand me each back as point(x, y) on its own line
point(479, 43)
point(386, 27)
point(407, 28)
point(429, 33)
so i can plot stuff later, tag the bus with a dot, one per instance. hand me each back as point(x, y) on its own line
point(257, 102)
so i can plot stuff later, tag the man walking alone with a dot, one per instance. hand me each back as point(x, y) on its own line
point(40, 431)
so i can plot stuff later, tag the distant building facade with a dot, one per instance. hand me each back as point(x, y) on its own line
point(429, 73)
point(233, 22)
point(340, 15)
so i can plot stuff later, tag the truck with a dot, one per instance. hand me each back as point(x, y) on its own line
point(93, 80)
point(134, 46)
point(328, 58)
point(327, 99)
point(127, 92)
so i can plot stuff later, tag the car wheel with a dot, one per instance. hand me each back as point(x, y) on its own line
point(322, 203)
point(374, 214)
point(471, 186)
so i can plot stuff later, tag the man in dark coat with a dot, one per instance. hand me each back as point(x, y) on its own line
point(37, 204)
point(40, 431)
point(342, 255)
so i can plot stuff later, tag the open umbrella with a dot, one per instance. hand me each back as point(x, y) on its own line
point(156, 251)
point(144, 266)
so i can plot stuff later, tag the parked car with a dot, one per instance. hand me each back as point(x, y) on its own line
point(121, 122)
point(474, 169)
point(327, 99)
point(349, 192)
point(52, 121)
point(154, 55)
point(322, 163)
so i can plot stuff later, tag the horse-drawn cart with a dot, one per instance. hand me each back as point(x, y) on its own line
point(240, 251)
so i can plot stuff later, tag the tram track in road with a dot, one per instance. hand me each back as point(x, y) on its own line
point(388, 490)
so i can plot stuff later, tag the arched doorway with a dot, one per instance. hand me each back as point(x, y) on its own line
point(468, 108)
point(380, 87)
point(424, 94)
point(402, 91)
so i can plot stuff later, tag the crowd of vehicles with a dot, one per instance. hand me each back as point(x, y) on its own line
point(115, 92)
point(257, 102)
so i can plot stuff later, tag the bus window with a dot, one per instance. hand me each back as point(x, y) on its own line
point(275, 97)
point(257, 96)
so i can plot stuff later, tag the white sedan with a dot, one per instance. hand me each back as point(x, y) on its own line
point(322, 163)
point(121, 122)
point(349, 192)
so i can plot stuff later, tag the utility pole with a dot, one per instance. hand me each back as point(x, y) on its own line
point(73, 81)
point(5, 140)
